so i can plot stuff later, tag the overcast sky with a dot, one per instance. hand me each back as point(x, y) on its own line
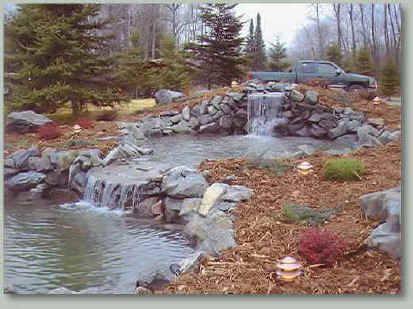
point(276, 19)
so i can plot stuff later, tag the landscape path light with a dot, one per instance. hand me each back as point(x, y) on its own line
point(376, 100)
point(288, 269)
point(304, 168)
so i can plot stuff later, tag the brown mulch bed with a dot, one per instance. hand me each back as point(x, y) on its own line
point(15, 141)
point(263, 238)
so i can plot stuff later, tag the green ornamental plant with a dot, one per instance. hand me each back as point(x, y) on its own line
point(343, 169)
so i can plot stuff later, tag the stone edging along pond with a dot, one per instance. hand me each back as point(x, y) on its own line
point(181, 194)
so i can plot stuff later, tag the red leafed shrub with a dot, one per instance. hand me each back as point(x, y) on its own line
point(321, 247)
point(85, 123)
point(48, 131)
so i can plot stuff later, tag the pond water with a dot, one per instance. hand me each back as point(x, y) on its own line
point(51, 244)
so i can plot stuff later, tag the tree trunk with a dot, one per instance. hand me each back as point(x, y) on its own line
point(363, 25)
point(373, 34)
point(337, 9)
point(386, 34)
point(353, 38)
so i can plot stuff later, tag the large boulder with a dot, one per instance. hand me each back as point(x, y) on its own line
point(183, 182)
point(384, 206)
point(20, 158)
point(165, 96)
point(26, 121)
point(25, 181)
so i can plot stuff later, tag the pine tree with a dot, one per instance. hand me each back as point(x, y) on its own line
point(364, 63)
point(334, 55)
point(216, 56)
point(390, 78)
point(61, 57)
point(259, 63)
point(277, 53)
point(250, 45)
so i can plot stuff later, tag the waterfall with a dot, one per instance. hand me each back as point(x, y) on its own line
point(264, 113)
point(112, 195)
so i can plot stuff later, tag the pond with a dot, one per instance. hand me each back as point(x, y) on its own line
point(58, 243)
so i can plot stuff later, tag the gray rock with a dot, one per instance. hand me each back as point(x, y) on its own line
point(25, 181)
point(225, 109)
point(353, 125)
point(148, 207)
point(385, 240)
point(175, 119)
point(203, 108)
point(327, 123)
point(211, 110)
point(186, 113)
point(78, 182)
point(303, 132)
point(173, 203)
point(296, 96)
point(214, 233)
point(212, 127)
point(40, 164)
point(237, 193)
point(338, 131)
point(376, 121)
point(225, 122)
point(237, 97)
point(26, 121)
point(21, 157)
point(165, 96)
point(216, 101)
point(9, 163)
point(205, 119)
point(195, 111)
point(311, 97)
point(377, 205)
point(318, 131)
point(190, 205)
point(348, 140)
point(367, 136)
point(54, 178)
point(169, 113)
point(183, 182)
point(194, 123)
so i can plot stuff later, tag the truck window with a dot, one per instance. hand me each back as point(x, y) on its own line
point(308, 67)
point(326, 68)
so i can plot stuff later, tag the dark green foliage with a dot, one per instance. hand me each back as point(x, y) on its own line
point(278, 52)
point(273, 166)
point(334, 55)
point(364, 64)
point(216, 57)
point(142, 79)
point(58, 55)
point(301, 214)
point(80, 143)
point(107, 115)
point(260, 59)
point(342, 169)
point(390, 78)
point(250, 45)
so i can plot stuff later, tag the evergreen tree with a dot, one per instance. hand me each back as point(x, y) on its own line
point(389, 78)
point(334, 55)
point(277, 53)
point(216, 56)
point(259, 63)
point(174, 74)
point(250, 45)
point(364, 63)
point(60, 56)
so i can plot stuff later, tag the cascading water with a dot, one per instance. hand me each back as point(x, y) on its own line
point(264, 113)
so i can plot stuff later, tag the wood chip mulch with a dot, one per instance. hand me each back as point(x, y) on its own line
point(263, 238)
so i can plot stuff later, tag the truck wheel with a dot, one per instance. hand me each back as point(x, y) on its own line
point(356, 88)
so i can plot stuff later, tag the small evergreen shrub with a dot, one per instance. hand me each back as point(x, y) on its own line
point(273, 166)
point(48, 131)
point(301, 214)
point(80, 143)
point(321, 247)
point(107, 115)
point(342, 169)
point(85, 123)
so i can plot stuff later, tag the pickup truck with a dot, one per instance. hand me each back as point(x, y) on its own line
point(329, 72)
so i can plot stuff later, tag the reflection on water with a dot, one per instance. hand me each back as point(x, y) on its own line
point(79, 246)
